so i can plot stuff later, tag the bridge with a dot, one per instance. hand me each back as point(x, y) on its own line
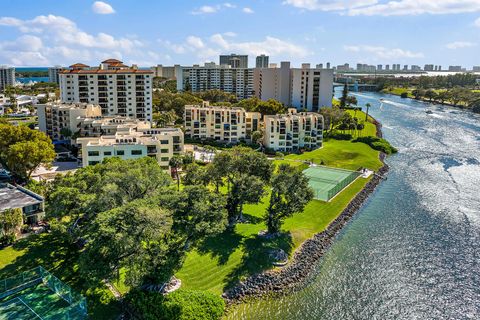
point(356, 87)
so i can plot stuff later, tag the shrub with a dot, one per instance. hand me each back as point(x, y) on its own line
point(404, 95)
point(377, 144)
point(178, 305)
point(340, 136)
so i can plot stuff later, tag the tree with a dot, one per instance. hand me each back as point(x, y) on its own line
point(176, 163)
point(257, 137)
point(23, 150)
point(290, 194)
point(236, 166)
point(75, 199)
point(368, 105)
point(133, 237)
point(195, 175)
point(343, 98)
point(11, 221)
point(430, 94)
point(165, 118)
point(351, 100)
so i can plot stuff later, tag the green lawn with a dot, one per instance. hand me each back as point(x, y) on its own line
point(58, 257)
point(224, 260)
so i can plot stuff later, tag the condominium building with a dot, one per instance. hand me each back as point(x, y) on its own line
point(293, 131)
point(53, 74)
point(238, 81)
point(161, 144)
point(53, 117)
point(82, 120)
point(261, 61)
point(274, 83)
point(7, 77)
point(17, 197)
point(225, 124)
point(311, 89)
point(117, 88)
point(163, 71)
point(428, 67)
point(234, 60)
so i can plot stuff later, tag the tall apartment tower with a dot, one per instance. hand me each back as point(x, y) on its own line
point(273, 83)
point(234, 60)
point(117, 88)
point(261, 61)
point(53, 74)
point(238, 81)
point(311, 88)
point(7, 77)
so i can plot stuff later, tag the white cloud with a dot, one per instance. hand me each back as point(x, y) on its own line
point(49, 39)
point(329, 5)
point(383, 52)
point(460, 45)
point(212, 9)
point(208, 49)
point(100, 7)
point(477, 23)
point(248, 10)
point(389, 7)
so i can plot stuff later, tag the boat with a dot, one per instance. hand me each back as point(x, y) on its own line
point(428, 111)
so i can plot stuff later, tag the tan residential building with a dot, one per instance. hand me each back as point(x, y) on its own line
point(162, 144)
point(117, 88)
point(293, 131)
point(82, 120)
point(53, 117)
point(225, 124)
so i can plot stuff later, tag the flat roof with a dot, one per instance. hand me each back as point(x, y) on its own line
point(12, 197)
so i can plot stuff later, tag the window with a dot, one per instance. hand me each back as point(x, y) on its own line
point(93, 153)
point(164, 159)
point(164, 141)
point(164, 150)
point(107, 153)
point(120, 152)
point(92, 163)
point(136, 152)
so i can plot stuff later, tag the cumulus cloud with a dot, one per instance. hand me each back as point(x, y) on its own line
point(248, 10)
point(388, 7)
point(49, 39)
point(477, 23)
point(207, 9)
point(209, 48)
point(460, 45)
point(383, 52)
point(100, 7)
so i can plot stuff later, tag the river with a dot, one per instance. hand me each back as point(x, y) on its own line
point(413, 250)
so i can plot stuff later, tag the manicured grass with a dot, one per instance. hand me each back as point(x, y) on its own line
point(221, 262)
point(60, 258)
point(370, 129)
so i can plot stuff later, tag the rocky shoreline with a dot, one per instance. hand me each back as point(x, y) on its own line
point(304, 260)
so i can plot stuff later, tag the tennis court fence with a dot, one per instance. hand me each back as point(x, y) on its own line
point(39, 275)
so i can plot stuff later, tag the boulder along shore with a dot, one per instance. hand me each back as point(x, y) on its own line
point(292, 276)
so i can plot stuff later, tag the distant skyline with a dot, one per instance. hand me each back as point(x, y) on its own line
point(52, 32)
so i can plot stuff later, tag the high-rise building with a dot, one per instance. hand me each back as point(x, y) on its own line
point(387, 67)
point(311, 89)
point(7, 77)
point(293, 131)
point(53, 74)
point(261, 61)
point(476, 69)
point(455, 68)
point(273, 83)
point(163, 71)
point(379, 67)
point(117, 88)
point(238, 81)
point(428, 67)
point(343, 67)
point(328, 65)
point(405, 67)
point(234, 60)
point(416, 68)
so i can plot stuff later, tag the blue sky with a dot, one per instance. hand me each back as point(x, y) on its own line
point(51, 32)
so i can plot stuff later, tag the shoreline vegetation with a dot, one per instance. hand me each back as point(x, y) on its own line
point(294, 274)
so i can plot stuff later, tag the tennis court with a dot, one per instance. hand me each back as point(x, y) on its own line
point(328, 182)
point(37, 294)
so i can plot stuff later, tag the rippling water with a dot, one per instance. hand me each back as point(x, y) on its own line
point(413, 251)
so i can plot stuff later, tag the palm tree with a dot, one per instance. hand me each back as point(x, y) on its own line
point(175, 163)
point(368, 105)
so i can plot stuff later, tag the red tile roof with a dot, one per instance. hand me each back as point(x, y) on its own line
point(99, 71)
point(111, 61)
point(79, 65)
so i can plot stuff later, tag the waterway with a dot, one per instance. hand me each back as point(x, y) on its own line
point(413, 250)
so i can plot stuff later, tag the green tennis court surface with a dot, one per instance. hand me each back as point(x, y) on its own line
point(37, 294)
point(327, 182)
